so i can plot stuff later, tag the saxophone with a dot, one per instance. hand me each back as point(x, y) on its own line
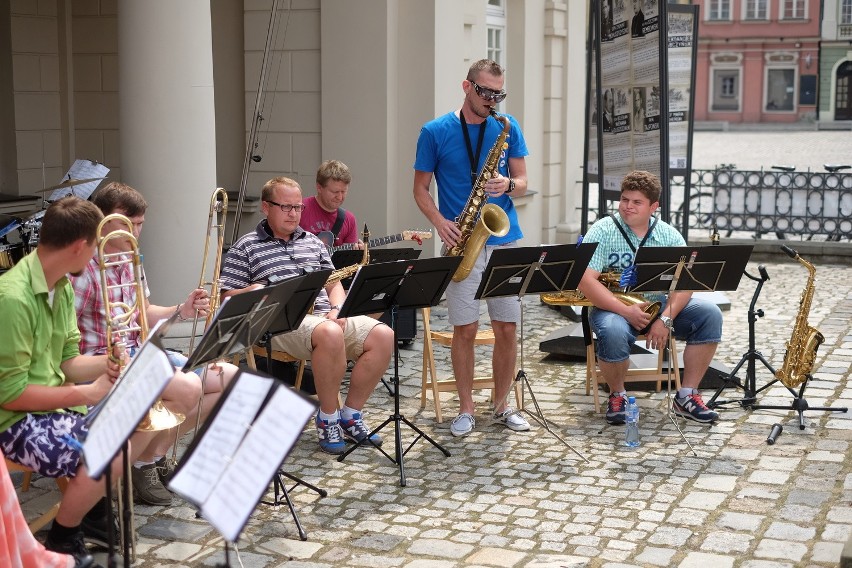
point(612, 281)
point(478, 220)
point(802, 347)
point(347, 271)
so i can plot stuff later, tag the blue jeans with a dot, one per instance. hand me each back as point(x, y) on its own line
point(699, 322)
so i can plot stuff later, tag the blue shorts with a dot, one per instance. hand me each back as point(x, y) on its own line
point(699, 322)
point(39, 442)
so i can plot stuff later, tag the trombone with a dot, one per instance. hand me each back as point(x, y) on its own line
point(122, 319)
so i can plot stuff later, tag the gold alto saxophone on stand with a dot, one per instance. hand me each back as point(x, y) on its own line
point(480, 220)
point(120, 323)
point(805, 340)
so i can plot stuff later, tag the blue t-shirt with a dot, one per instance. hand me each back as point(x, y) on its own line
point(441, 150)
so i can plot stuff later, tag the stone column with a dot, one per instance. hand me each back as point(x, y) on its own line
point(167, 136)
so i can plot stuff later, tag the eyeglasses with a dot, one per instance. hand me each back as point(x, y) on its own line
point(286, 208)
point(489, 94)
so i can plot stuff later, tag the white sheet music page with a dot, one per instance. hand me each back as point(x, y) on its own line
point(125, 406)
point(247, 477)
point(81, 169)
point(198, 474)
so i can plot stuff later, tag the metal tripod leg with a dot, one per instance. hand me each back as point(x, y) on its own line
point(280, 489)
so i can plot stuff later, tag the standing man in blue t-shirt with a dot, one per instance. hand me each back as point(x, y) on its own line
point(453, 148)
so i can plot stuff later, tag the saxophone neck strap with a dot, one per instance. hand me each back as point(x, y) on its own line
point(474, 159)
point(627, 238)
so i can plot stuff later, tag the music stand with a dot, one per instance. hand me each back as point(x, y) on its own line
point(115, 421)
point(302, 292)
point(342, 258)
point(688, 269)
point(534, 270)
point(239, 324)
point(394, 285)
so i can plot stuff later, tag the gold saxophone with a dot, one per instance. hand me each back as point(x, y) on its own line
point(612, 281)
point(347, 271)
point(802, 347)
point(478, 220)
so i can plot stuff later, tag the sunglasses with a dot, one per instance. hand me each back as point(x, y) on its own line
point(489, 94)
point(287, 208)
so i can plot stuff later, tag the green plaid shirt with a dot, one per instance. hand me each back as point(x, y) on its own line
point(614, 254)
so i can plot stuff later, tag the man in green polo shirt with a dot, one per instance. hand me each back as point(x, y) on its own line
point(45, 384)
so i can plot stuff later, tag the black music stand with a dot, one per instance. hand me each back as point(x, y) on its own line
point(115, 420)
point(688, 269)
point(390, 286)
point(749, 386)
point(343, 258)
point(242, 321)
point(534, 270)
point(302, 292)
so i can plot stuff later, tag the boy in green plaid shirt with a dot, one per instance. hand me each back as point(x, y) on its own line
point(616, 325)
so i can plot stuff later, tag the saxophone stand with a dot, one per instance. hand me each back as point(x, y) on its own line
point(799, 403)
point(390, 286)
point(749, 358)
point(533, 270)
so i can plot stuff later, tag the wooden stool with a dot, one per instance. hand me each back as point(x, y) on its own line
point(61, 482)
point(429, 378)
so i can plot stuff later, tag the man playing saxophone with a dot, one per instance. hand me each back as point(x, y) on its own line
point(279, 248)
point(450, 147)
point(152, 467)
point(616, 324)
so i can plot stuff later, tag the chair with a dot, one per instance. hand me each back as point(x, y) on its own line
point(429, 377)
point(654, 371)
point(62, 482)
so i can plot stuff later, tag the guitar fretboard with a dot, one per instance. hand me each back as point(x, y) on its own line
point(371, 243)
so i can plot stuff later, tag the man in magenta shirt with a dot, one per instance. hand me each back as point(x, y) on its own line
point(321, 212)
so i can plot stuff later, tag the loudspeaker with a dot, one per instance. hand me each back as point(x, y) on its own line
point(406, 324)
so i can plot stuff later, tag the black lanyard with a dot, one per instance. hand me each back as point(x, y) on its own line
point(626, 238)
point(474, 160)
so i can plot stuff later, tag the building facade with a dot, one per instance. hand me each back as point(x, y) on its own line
point(166, 95)
point(835, 65)
point(758, 61)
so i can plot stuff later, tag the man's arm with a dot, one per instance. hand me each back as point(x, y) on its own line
point(447, 230)
point(197, 301)
point(36, 398)
point(336, 296)
point(518, 172)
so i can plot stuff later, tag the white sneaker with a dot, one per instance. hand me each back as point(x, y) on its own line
point(512, 420)
point(462, 425)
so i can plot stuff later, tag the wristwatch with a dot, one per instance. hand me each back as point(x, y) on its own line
point(511, 186)
point(667, 321)
point(335, 307)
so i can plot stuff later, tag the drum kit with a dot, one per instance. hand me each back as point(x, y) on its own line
point(14, 249)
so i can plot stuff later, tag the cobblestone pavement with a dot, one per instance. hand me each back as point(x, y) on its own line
point(523, 499)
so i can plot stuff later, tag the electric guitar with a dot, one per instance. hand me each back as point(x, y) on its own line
point(327, 237)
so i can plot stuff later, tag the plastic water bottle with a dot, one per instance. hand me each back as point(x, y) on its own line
point(631, 436)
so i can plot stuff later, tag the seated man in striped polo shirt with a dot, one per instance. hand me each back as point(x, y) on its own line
point(280, 248)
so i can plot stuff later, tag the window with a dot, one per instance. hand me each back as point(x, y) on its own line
point(756, 10)
point(846, 12)
point(794, 9)
point(726, 90)
point(495, 25)
point(719, 10)
point(780, 90)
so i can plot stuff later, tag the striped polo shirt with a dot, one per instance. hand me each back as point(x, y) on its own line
point(258, 255)
point(613, 252)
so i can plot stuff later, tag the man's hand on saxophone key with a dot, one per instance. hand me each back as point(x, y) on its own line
point(448, 231)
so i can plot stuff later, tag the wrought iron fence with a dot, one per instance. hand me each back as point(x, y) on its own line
point(786, 204)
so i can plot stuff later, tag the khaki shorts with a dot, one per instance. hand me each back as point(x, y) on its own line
point(463, 307)
point(298, 342)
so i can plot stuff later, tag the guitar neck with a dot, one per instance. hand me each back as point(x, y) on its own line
point(371, 243)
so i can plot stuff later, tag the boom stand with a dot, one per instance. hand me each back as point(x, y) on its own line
point(270, 311)
point(521, 271)
point(394, 285)
point(750, 390)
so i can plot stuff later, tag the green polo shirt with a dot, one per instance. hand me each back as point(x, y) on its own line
point(35, 337)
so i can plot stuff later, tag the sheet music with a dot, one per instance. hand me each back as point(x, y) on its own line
point(200, 472)
point(132, 396)
point(247, 476)
point(81, 169)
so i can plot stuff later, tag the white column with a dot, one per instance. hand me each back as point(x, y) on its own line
point(167, 133)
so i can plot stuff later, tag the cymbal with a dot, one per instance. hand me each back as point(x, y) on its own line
point(67, 183)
